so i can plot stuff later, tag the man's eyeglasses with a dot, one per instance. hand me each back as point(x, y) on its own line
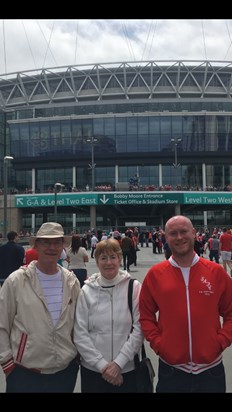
point(50, 242)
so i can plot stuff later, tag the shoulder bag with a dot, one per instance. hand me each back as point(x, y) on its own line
point(144, 370)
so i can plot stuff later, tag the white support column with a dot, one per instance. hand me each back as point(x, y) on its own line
point(33, 180)
point(74, 179)
point(74, 184)
point(93, 222)
point(33, 187)
point(203, 176)
point(116, 173)
point(74, 222)
point(177, 210)
point(160, 175)
point(33, 223)
point(204, 183)
point(205, 218)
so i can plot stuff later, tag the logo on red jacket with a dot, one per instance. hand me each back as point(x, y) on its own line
point(208, 285)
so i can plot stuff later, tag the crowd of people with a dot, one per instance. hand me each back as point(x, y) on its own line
point(56, 322)
point(132, 186)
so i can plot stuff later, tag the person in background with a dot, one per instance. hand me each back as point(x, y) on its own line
point(63, 256)
point(141, 238)
point(30, 254)
point(126, 246)
point(104, 236)
point(84, 242)
point(11, 255)
point(94, 241)
point(77, 257)
point(167, 250)
point(103, 332)
point(37, 308)
point(133, 251)
point(146, 235)
point(197, 246)
point(225, 249)
point(213, 246)
point(191, 295)
point(154, 240)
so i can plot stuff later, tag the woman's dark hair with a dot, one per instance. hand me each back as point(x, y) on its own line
point(75, 244)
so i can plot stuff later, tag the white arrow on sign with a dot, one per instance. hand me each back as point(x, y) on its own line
point(20, 201)
point(104, 199)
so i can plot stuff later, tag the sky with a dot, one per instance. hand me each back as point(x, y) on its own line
point(34, 44)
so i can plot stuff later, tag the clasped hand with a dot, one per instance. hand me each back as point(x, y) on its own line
point(112, 374)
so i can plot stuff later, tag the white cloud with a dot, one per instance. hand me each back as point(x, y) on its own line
point(30, 44)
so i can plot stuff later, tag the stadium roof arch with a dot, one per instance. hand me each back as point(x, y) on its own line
point(117, 81)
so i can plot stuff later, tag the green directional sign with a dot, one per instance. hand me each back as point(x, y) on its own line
point(147, 198)
point(88, 199)
point(63, 199)
point(206, 198)
point(124, 198)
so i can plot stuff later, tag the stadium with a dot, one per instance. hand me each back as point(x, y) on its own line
point(119, 144)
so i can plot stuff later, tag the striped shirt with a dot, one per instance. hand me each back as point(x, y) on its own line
point(52, 287)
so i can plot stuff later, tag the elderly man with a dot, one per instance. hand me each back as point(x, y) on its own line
point(37, 306)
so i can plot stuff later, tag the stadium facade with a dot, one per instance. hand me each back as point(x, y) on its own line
point(132, 143)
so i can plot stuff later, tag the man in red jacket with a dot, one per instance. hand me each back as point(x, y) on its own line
point(190, 294)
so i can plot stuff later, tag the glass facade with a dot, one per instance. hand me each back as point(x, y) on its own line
point(121, 135)
point(170, 127)
point(116, 136)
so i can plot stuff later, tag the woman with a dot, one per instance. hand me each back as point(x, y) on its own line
point(103, 330)
point(77, 257)
point(63, 256)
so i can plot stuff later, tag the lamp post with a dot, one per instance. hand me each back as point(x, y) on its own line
point(5, 178)
point(56, 185)
point(92, 140)
point(176, 164)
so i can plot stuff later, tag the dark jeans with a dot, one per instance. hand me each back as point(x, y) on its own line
point(126, 260)
point(24, 380)
point(81, 275)
point(172, 380)
point(92, 382)
point(213, 254)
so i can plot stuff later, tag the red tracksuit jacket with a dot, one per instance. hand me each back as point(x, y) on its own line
point(187, 327)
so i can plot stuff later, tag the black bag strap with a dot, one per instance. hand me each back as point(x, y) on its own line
point(130, 292)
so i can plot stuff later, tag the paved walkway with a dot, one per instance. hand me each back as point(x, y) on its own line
point(145, 259)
